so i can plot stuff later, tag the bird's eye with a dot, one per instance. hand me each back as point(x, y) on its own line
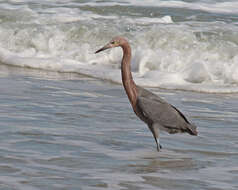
point(113, 42)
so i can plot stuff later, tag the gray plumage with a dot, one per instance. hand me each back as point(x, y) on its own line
point(160, 115)
point(150, 108)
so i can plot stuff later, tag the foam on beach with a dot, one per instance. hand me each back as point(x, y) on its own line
point(196, 56)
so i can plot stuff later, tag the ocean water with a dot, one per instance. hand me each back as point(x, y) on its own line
point(188, 45)
point(65, 120)
point(67, 131)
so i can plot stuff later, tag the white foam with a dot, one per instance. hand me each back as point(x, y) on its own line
point(194, 76)
point(227, 7)
point(214, 6)
point(147, 20)
point(209, 6)
point(190, 56)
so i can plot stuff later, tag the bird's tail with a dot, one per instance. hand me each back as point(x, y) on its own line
point(192, 129)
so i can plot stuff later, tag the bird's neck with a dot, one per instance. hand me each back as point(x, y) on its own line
point(127, 79)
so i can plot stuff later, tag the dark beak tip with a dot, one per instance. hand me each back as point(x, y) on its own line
point(102, 49)
point(98, 51)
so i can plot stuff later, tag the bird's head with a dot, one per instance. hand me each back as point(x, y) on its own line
point(115, 42)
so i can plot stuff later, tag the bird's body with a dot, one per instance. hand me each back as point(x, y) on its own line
point(150, 108)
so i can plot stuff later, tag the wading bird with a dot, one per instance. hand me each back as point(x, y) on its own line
point(150, 108)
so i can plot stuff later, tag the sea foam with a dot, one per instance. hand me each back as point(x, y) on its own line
point(198, 56)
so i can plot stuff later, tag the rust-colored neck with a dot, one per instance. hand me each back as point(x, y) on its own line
point(127, 79)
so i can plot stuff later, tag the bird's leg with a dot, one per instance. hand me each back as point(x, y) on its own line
point(158, 145)
point(155, 132)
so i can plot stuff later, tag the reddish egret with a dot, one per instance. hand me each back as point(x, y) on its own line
point(150, 108)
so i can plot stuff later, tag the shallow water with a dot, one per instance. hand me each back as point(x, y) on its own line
point(66, 131)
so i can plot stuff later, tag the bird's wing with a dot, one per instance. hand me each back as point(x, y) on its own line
point(149, 95)
point(163, 114)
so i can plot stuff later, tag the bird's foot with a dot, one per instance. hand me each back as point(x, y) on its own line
point(159, 147)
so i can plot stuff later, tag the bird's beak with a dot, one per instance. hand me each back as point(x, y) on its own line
point(104, 48)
